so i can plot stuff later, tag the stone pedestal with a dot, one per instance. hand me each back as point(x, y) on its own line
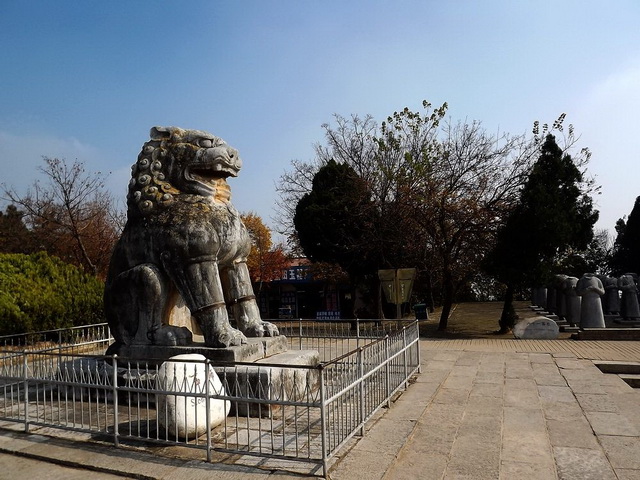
point(255, 349)
point(262, 371)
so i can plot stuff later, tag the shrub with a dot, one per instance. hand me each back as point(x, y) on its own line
point(39, 292)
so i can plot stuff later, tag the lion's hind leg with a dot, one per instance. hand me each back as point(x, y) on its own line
point(137, 303)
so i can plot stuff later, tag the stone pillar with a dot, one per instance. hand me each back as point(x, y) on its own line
point(572, 301)
point(590, 289)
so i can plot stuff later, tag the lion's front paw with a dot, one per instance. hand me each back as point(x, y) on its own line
point(270, 330)
point(229, 337)
point(262, 329)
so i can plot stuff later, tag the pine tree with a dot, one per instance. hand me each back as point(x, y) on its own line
point(333, 220)
point(553, 215)
point(626, 256)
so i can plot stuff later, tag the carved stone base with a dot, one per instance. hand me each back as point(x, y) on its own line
point(255, 349)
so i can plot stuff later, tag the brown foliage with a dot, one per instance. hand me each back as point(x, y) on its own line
point(266, 262)
point(71, 216)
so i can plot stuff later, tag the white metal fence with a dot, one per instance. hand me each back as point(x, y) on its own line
point(292, 412)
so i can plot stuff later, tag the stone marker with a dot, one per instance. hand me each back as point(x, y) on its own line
point(590, 288)
point(536, 328)
point(184, 415)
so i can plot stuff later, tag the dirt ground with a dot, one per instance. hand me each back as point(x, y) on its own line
point(472, 320)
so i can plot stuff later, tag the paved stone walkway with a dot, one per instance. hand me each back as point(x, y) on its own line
point(479, 410)
point(589, 349)
point(505, 415)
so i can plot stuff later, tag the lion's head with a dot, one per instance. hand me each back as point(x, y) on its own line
point(177, 161)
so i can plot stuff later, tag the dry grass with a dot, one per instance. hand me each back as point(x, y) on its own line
point(472, 320)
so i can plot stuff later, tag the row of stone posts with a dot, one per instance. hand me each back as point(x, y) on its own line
point(584, 302)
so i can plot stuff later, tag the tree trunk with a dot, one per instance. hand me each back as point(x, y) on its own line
point(508, 317)
point(379, 301)
point(447, 301)
point(430, 302)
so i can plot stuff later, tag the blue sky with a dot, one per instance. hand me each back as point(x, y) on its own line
point(87, 80)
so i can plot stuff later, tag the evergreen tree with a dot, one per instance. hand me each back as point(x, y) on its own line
point(15, 237)
point(554, 214)
point(333, 220)
point(41, 292)
point(626, 255)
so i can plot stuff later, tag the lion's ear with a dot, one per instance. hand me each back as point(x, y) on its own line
point(158, 133)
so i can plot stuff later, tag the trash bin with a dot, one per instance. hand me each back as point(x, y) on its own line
point(420, 310)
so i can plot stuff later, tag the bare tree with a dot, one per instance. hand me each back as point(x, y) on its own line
point(459, 190)
point(71, 214)
point(441, 189)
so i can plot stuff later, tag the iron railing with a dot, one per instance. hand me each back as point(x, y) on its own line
point(80, 339)
point(300, 412)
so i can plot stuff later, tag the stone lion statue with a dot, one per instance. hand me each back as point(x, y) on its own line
point(181, 259)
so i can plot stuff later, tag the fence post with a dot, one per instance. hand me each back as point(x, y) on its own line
point(387, 369)
point(323, 423)
point(418, 346)
point(114, 384)
point(207, 404)
point(404, 357)
point(25, 374)
point(361, 389)
point(300, 333)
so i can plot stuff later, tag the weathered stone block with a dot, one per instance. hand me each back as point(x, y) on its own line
point(280, 377)
point(182, 414)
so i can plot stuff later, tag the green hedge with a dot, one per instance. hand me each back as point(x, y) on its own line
point(39, 292)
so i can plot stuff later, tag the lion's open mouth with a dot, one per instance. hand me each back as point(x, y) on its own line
point(211, 174)
point(210, 169)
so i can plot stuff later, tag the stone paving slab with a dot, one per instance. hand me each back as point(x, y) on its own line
point(24, 468)
point(545, 416)
point(502, 414)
